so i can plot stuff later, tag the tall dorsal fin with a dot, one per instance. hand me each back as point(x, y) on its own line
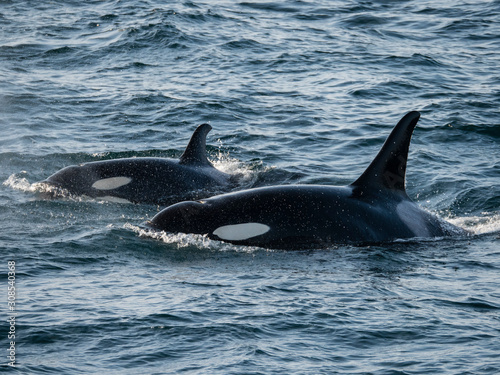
point(196, 150)
point(388, 169)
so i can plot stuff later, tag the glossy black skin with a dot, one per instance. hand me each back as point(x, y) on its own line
point(303, 216)
point(160, 181)
point(375, 208)
point(154, 180)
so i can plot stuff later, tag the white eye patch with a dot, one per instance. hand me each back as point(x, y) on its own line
point(238, 232)
point(111, 183)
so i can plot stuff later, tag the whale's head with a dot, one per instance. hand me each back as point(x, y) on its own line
point(208, 217)
point(92, 179)
point(188, 217)
point(75, 179)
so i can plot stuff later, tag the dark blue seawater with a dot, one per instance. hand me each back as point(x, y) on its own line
point(297, 92)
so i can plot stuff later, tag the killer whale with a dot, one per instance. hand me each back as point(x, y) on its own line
point(150, 180)
point(373, 209)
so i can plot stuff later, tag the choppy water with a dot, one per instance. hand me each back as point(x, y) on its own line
point(297, 92)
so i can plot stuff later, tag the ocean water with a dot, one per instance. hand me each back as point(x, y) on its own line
point(297, 92)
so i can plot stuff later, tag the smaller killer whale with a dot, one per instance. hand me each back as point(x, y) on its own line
point(373, 209)
point(149, 180)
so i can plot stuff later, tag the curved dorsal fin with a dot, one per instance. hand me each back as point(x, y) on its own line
point(388, 169)
point(195, 152)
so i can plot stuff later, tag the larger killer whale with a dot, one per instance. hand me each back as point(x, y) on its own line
point(373, 209)
point(151, 180)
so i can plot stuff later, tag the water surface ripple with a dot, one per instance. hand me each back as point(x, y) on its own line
point(297, 92)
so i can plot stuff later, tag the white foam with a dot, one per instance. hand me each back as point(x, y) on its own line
point(489, 223)
point(17, 182)
point(185, 240)
point(180, 239)
point(239, 232)
point(21, 183)
point(111, 183)
point(109, 198)
point(224, 163)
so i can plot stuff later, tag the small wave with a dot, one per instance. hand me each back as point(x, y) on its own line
point(471, 303)
point(59, 51)
point(246, 44)
point(386, 89)
point(364, 20)
point(416, 59)
point(270, 6)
